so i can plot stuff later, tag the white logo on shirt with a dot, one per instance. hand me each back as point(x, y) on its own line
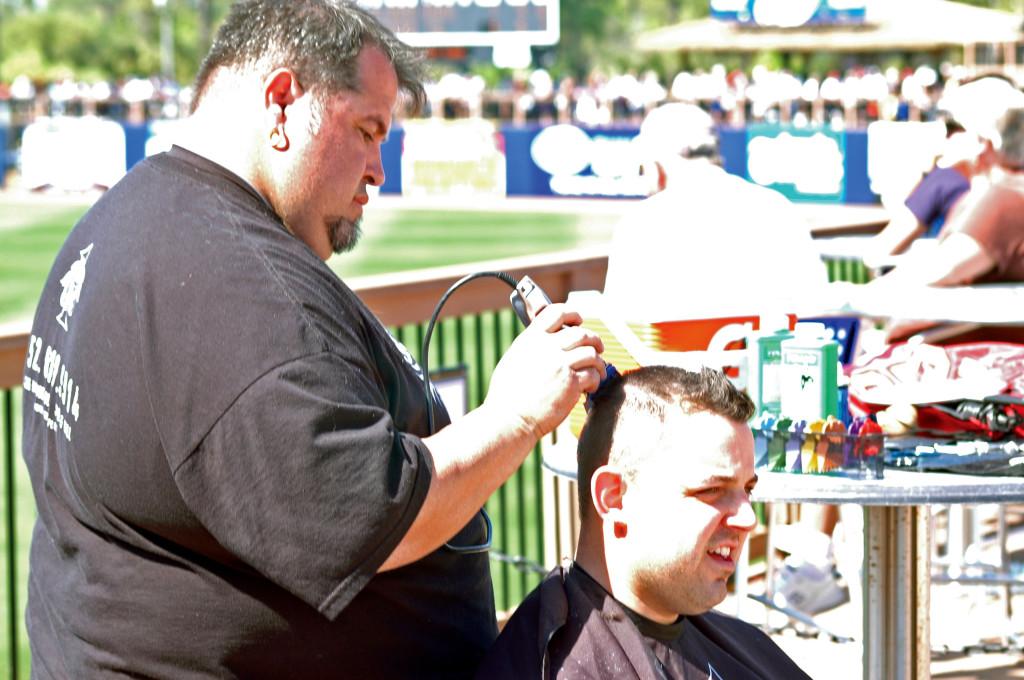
point(72, 285)
point(712, 673)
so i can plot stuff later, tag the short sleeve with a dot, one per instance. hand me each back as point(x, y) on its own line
point(306, 480)
point(935, 195)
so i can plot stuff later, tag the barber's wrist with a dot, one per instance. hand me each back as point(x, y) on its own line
point(511, 423)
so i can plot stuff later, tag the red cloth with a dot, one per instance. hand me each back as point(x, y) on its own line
point(910, 369)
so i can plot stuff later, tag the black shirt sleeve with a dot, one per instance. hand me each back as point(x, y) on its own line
point(306, 479)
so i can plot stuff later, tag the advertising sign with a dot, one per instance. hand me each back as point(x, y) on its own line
point(465, 23)
point(566, 160)
point(451, 158)
point(801, 163)
point(789, 13)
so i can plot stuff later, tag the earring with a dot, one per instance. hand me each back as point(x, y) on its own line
point(278, 139)
point(619, 529)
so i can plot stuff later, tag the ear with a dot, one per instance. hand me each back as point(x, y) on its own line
point(280, 90)
point(606, 490)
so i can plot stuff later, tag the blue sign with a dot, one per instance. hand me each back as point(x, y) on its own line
point(789, 13)
point(566, 160)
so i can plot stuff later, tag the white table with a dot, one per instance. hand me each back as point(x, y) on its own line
point(897, 551)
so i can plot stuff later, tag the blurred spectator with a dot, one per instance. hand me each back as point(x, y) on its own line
point(984, 242)
point(967, 155)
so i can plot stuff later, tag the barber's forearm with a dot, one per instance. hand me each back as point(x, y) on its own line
point(472, 457)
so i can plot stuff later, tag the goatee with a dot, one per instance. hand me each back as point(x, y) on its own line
point(344, 234)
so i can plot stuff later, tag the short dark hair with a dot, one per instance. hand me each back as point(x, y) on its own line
point(651, 392)
point(319, 39)
point(1011, 129)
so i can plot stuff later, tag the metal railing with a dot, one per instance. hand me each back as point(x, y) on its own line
point(475, 330)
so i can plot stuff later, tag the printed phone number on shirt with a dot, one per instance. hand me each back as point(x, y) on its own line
point(56, 381)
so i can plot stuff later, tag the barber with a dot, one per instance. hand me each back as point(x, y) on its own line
point(229, 453)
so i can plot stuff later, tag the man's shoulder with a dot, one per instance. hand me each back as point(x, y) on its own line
point(520, 648)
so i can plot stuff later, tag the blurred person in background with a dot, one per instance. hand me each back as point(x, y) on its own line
point(982, 243)
point(930, 202)
point(967, 155)
point(232, 459)
point(703, 229)
point(666, 468)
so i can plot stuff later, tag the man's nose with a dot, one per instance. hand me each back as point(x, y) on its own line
point(375, 169)
point(743, 518)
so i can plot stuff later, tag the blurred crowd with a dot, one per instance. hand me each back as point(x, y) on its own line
point(134, 100)
point(852, 98)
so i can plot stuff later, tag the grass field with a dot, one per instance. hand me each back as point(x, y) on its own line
point(395, 238)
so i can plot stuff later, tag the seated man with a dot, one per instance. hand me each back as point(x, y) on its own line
point(984, 243)
point(666, 465)
point(972, 108)
point(930, 203)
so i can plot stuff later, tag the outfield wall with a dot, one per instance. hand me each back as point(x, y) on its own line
point(480, 158)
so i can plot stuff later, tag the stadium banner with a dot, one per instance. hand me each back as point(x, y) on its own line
point(789, 13)
point(72, 153)
point(391, 159)
point(5, 156)
point(474, 157)
point(567, 160)
point(458, 158)
point(803, 164)
point(468, 23)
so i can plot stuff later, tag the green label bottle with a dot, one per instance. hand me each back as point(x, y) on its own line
point(809, 374)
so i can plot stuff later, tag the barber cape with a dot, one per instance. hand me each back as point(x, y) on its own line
point(569, 628)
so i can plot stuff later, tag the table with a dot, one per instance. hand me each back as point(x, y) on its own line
point(897, 550)
point(897, 546)
point(992, 303)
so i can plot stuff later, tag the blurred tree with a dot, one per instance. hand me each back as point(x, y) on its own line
point(119, 38)
point(109, 39)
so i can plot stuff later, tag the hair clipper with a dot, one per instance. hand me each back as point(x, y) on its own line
point(528, 300)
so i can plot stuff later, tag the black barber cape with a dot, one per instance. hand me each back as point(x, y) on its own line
point(570, 627)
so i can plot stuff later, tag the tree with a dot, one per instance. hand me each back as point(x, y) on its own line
point(102, 39)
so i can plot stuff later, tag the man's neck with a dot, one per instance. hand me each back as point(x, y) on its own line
point(218, 141)
point(594, 558)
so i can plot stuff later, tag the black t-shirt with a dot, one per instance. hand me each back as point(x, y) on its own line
point(224, 447)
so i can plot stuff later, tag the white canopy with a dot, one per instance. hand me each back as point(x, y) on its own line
point(888, 25)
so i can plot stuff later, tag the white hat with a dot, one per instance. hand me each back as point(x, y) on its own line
point(675, 129)
point(979, 104)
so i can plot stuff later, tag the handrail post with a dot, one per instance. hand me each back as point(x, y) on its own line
point(12, 538)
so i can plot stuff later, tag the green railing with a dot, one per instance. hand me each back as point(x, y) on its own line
point(847, 269)
point(475, 330)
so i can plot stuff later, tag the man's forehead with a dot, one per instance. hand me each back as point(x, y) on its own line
point(704, 446)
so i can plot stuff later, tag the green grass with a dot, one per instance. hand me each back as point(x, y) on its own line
point(32, 231)
point(30, 235)
point(415, 239)
point(393, 240)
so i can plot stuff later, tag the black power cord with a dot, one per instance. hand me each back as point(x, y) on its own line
point(429, 391)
